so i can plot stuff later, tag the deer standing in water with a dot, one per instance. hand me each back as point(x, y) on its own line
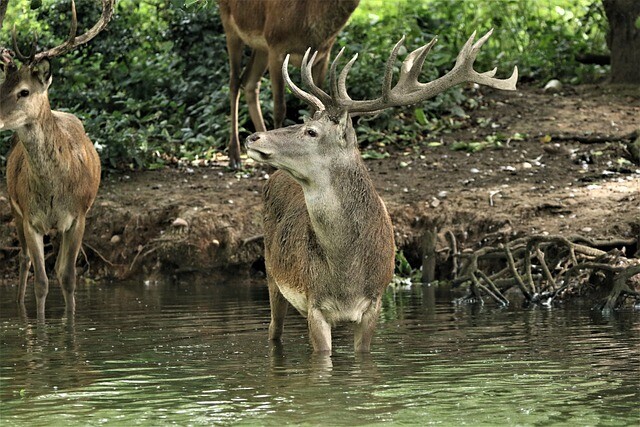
point(329, 246)
point(53, 170)
point(273, 29)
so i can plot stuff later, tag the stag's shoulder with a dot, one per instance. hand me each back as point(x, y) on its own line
point(284, 204)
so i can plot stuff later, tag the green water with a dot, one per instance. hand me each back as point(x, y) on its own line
point(198, 355)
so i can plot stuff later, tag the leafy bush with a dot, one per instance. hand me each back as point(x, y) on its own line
point(153, 88)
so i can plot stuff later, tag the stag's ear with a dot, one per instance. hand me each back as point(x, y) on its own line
point(349, 134)
point(41, 70)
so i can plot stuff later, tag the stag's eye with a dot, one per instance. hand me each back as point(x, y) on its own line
point(23, 93)
point(312, 132)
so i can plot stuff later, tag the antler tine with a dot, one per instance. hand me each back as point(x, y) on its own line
point(412, 65)
point(307, 77)
point(19, 54)
point(307, 97)
point(388, 75)
point(332, 74)
point(342, 81)
point(467, 57)
point(74, 41)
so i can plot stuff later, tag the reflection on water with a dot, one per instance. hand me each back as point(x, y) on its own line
point(199, 355)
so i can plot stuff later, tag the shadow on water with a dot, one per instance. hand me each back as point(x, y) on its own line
point(199, 354)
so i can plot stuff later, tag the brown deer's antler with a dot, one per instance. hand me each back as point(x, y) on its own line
point(72, 41)
point(408, 90)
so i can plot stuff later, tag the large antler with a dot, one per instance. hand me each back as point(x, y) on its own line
point(408, 90)
point(72, 41)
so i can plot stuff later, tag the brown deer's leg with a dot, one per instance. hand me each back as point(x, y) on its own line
point(363, 331)
point(25, 261)
point(35, 245)
point(279, 306)
point(319, 331)
point(277, 89)
point(66, 262)
point(234, 47)
point(251, 81)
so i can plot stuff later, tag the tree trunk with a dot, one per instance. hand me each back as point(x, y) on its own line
point(624, 40)
point(3, 10)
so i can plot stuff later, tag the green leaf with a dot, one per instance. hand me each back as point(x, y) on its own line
point(375, 155)
point(420, 116)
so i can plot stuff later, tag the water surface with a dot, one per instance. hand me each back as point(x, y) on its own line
point(191, 354)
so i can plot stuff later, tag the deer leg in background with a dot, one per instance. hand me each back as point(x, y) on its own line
point(363, 331)
point(35, 246)
point(251, 81)
point(277, 89)
point(279, 306)
point(234, 47)
point(319, 331)
point(25, 261)
point(66, 262)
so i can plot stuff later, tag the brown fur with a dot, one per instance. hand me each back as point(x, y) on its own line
point(328, 237)
point(273, 29)
point(53, 174)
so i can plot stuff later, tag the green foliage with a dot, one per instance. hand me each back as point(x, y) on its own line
point(405, 274)
point(153, 88)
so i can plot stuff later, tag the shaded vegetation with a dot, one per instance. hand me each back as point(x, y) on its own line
point(152, 89)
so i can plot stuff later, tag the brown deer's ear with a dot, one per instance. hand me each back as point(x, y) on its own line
point(41, 70)
point(6, 62)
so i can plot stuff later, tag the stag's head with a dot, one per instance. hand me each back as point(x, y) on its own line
point(24, 88)
point(323, 139)
point(307, 149)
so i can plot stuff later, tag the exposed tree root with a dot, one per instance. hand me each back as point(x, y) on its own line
point(543, 268)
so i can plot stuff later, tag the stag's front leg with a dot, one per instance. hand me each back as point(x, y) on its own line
point(363, 331)
point(319, 331)
point(66, 262)
point(35, 245)
point(25, 261)
point(279, 306)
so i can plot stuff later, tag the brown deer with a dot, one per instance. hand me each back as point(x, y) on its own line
point(53, 170)
point(329, 246)
point(273, 29)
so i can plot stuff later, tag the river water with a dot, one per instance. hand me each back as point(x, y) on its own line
point(193, 354)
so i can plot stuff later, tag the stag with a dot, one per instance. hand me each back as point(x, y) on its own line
point(272, 29)
point(53, 170)
point(329, 246)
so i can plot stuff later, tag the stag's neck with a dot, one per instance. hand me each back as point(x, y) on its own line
point(42, 142)
point(344, 207)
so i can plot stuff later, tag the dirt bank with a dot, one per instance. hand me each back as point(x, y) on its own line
point(580, 182)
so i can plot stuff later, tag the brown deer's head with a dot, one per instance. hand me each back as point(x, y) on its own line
point(23, 93)
point(24, 89)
